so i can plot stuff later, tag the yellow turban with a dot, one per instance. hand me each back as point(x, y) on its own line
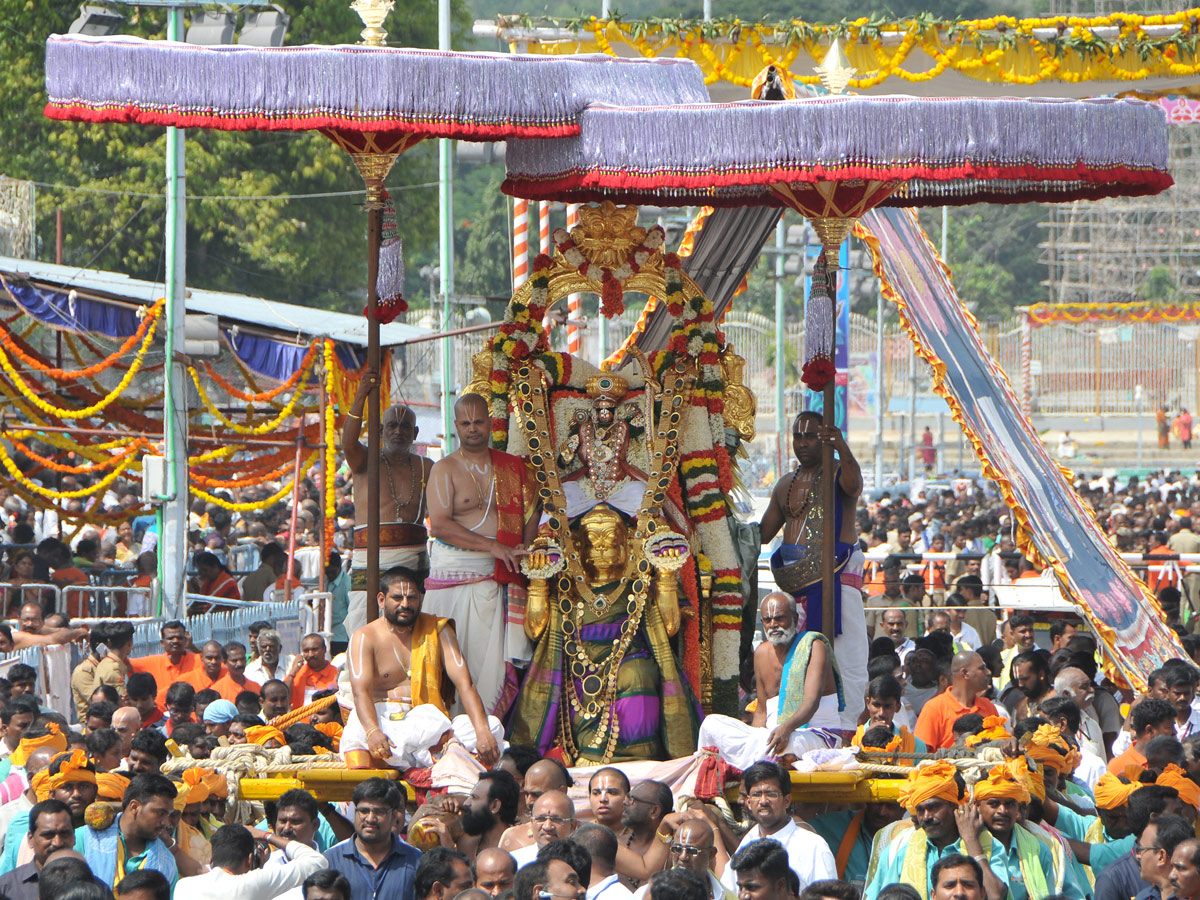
point(72, 767)
point(1004, 782)
point(993, 730)
point(55, 739)
point(937, 780)
point(333, 731)
point(111, 786)
point(1113, 793)
point(192, 789)
point(1189, 791)
point(1048, 746)
point(40, 783)
point(216, 784)
point(260, 734)
point(1035, 780)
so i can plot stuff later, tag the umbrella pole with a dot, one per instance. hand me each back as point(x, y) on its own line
point(829, 494)
point(375, 448)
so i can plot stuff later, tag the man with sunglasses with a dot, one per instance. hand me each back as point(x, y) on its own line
point(553, 820)
point(694, 848)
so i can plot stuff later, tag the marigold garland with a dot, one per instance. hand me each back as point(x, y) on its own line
point(265, 427)
point(33, 362)
point(256, 504)
point(1073, 52)
point(101, 485)
point(263, 396)
point(330, 449)
point(98, 466)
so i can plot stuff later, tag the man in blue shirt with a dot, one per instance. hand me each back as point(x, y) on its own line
point(377, 864)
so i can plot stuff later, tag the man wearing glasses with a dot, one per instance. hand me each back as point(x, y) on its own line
point(553, 820)
point(694, 848)
point(768, 794)
point(1158, 842)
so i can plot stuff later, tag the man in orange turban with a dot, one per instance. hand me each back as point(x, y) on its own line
point(1058, 758)
point(266, 736)
point(1015, 855)
point(1189, 791)
point(72, 779)
point(47, 735)
point(993, 730)
point(906, 851)
point(111, 786)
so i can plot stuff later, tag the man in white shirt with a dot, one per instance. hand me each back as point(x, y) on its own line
point(768, 795)
point(233, 875)
point(269, 666)
point(601, 843)
point(693, 847)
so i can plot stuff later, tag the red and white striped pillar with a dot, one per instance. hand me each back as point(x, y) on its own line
point(520, 266)
point(574, 301)
point(544, 227)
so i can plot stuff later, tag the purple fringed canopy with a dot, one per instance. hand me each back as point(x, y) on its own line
point(914, 151)
point(427, 93)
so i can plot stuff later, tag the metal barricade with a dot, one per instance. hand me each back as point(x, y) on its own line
point(39, 587)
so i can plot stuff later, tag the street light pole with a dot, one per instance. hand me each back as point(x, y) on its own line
point(172, 514)
point(446, 255)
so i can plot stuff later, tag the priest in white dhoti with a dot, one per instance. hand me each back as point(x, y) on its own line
point(478, 503)
point(797, 666)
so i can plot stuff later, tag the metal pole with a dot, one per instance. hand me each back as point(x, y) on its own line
point(707, 10)
point(912, 414)
point(291, 563)
point(940, 459)
point(58, 241)
point(172, 514)
point(781, 426)
point(945, 230)
point(446, 251)
point(879, 397)
point(828, 488)
point(374, 447)
point(1138, 393)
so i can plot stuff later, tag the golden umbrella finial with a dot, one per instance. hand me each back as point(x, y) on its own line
point(373, 13)
point(835, 69)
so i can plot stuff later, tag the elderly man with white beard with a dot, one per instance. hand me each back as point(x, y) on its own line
point(792, 664)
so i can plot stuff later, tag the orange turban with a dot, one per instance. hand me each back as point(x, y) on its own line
point(260, 734)
point(216, 783)
point(197, 790)
point(333, 731)
point(111, 786)
point(1048, 746)
point(40, 783)
point(55, 739)
point(72, 767)
point(993, 730)
point(1189, 791)
point(1004, 782)
point(939, 779)
point(1113, 793)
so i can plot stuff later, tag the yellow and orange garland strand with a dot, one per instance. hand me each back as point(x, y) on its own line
point(1000, 49)
point(330, 446)
point(50, 494)
point(88, 411)
point(264, 396)
point(108, 362)
point(264, 428)
point(283, 491)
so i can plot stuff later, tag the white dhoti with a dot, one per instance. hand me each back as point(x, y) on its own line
point(356, 615)
point(461, 587)
point(743, 745)
point(415, 732)
point(850, 651)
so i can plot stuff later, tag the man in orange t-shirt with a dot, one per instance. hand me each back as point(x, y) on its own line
point(1149, 719)
point(212, 667)
point(311, 671)
point(234, 681)
point(969, 678)
point(173, 665)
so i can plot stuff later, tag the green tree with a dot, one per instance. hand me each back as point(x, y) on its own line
point(1159, 286)
point(482, 214)
point(108, 179)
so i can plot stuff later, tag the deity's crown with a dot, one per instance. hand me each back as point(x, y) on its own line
point(607, 386)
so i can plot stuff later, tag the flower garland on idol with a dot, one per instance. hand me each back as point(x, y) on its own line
point(612, 281)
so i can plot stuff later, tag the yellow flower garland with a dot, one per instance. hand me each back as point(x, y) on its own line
point(88, 411)
point(35, 488)
point(255, 504)
point(265, 427)
point(330, 431)
point(1075, 54)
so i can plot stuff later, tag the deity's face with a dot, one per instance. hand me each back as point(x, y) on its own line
point(605, 411)
point(604, 544)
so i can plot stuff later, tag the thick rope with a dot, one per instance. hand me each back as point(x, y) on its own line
point(291, 718)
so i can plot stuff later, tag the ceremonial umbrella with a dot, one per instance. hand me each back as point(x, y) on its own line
point(834, 158)
point(374, 101)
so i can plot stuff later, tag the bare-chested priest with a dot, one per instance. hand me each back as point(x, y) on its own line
point(793, 670)
point(795, 507)
point(482, 517)
point(403, 476)
point(398, 665)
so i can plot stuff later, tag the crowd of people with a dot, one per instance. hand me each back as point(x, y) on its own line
point(1019, 770)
